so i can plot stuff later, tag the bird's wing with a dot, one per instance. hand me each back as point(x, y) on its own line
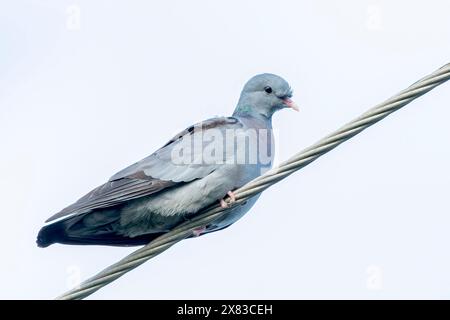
point(157, 172)
point(182, 159)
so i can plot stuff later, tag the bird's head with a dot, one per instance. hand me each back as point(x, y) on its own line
point(263, 95)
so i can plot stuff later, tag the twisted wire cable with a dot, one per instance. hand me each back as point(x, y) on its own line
point(298, 161)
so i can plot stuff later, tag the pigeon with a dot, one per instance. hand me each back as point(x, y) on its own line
point(198, 167)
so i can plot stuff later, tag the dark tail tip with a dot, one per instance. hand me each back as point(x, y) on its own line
point(49, 235)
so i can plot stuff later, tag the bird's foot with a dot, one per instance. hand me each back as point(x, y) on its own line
point(198, 231)
point(232, 196)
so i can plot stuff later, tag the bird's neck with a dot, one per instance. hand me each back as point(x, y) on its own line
point(253, 120)
point(247, 111)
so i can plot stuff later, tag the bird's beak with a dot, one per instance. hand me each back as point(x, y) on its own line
point(291, 104)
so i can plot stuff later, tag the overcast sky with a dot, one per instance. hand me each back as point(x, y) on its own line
point(89, 87)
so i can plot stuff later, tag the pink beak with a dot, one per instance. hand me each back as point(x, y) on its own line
point(291, 104)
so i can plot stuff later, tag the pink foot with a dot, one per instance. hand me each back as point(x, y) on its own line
point(232, 196)
point(197, 232)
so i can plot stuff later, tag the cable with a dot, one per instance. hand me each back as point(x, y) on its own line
point(259, 184)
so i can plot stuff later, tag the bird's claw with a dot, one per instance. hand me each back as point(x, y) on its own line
point(232, 196)
point(223, 204)
point(198, 231)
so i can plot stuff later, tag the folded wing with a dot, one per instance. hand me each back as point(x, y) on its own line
point(155, 173)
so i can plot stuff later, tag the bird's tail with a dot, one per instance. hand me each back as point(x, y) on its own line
point(50, 234)
point(77, 231)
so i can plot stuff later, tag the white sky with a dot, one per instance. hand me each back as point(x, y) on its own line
point(369, 220)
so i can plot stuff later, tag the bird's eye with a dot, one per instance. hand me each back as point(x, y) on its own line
point(268, 89)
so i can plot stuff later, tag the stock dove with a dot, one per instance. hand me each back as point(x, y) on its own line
point(196, 168)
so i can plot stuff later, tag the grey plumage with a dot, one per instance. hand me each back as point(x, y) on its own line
point(153, 195)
